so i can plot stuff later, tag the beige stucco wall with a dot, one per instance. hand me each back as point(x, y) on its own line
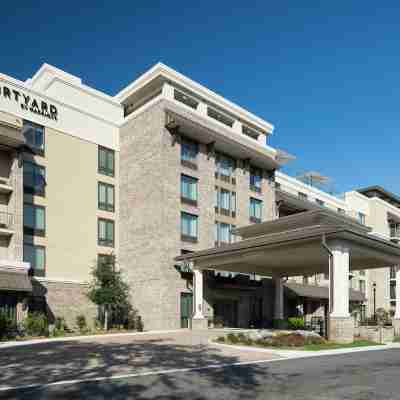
point(71, 206)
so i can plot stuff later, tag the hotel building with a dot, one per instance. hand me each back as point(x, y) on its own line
point(164, 168)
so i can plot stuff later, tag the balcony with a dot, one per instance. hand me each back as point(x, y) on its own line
point(6, 224)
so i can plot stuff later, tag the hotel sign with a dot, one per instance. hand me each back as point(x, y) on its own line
point(29, 103)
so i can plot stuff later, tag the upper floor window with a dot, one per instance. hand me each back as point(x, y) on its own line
point(36, 256)
point(189, 189)
point(255, 179)
point(392, 290)
point(392, 272)
point(255, 210)
point(361, 218)
point(189, 227)
point(34, 220)
point(302, 196)
point(189, 151)
point(34, 178)
point(320, 202)
point(223, 233)
point(106, 159)
point(106, 196)
point(225, 166)
point(34, 135)
point(361, 284)
point(226, 201)
point(105, 232)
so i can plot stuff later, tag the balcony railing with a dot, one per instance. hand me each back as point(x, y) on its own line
point(6, 220)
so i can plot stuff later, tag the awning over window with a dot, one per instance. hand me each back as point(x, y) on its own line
point(319, 292)
point(15, 281)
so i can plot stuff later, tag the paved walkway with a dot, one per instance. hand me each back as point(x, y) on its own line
point(100, 357)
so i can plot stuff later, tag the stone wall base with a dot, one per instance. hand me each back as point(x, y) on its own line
point(199, 323)
point(65, 300)
point(341, 329)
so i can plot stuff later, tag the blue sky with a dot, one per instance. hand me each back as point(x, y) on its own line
point(326, 74)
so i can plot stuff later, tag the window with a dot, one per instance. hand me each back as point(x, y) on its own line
point(106, 161)
point(34, 220)
point(189, 227)
point(34, 179)
point(225, 202)
point(302, 196)
point(105, 196)
point(189, 151)
point(223, 233)
point(36, 256)
point(185, 99)
point(361, 285)
point(361, 218)
point(221, 117)
point(392, 272)
point(105, 232)
point(189, 189)
point(255, 179)
point(361, 272)
point(225, 166)
point(255, 210)
point(320, 202)
point(34, 135)
point(392, 290)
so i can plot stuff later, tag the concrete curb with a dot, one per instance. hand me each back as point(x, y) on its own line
point(18, 343)
point(292, 354)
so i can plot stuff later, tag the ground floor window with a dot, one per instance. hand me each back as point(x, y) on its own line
point(8, 305)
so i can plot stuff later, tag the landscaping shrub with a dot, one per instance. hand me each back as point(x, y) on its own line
point(294, 340)
point(7, 327)
point(232, 338)
point(220, 339)
point(81, 323)
point(296, 323)
point(36, 324)
point(60, 327)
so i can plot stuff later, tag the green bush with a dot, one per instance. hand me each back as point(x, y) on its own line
point(7, 327)
point(220, 339)
point(232, 338)
point(36, 324)
point(81, 323)
point(296, 323)
point(294, 340)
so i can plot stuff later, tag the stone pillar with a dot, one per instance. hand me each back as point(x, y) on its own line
point(396, 318)
point(341, 325)
point(278, 304)
point(198, 320)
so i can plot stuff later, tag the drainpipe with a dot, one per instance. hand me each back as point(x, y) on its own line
point(330, 271)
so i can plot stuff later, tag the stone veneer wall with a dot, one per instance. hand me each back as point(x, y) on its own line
point(66, 300)
point(150, 208)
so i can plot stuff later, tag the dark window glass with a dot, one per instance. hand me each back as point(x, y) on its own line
point(105, 232)
point(36, 256)
point(34, 179)
point(34, 220)
point(34, 135)
point(105, 196)
point(106, 161)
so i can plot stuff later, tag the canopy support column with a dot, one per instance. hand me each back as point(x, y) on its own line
point(279, 305)
point(396, 318)
point(198, 320)
point(341, 324)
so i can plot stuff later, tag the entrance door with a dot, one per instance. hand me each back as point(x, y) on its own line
point(226, 311)
point(186, 309)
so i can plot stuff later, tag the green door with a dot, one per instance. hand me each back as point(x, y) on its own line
point(186, 309)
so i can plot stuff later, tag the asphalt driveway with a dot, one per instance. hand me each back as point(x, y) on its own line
point(103, 357)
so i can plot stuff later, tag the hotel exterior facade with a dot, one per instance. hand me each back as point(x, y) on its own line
point(164, 168)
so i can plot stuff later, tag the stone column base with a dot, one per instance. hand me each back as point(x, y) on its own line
point(341, 329)
point(396, 326)
point(199, 323)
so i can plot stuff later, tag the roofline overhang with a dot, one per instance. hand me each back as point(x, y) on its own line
point(161, 70)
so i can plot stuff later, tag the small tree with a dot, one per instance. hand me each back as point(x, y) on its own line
point(108, 289)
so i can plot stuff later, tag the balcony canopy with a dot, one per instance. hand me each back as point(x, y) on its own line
point(293, 245)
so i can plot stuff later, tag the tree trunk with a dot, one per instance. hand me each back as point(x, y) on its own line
point(106, 318)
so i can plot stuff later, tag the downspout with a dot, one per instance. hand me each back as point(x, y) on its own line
point(330, 270)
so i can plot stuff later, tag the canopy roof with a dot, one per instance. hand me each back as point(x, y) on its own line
point(15, 281)
point(292, 246)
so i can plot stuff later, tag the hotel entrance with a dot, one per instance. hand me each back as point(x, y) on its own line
point(226, 313)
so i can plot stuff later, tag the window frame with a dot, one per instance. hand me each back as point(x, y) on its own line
point(105, 242)
point(189, 200)
point(255, 172)
point(31, 230)
point(32, 189)
point(37, 150)
point(35, 271)
point(192, 161)
point(186, 237)
point(254, 218)
point(106, 171)
point(105, 206)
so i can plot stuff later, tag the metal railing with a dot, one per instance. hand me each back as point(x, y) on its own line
point(6, 220)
